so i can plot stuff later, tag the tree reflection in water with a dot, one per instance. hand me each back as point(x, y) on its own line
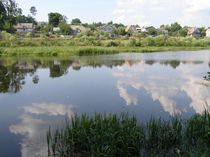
point(12, 75)
point(207, 77)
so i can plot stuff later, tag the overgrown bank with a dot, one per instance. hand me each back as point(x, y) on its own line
point(11, 45)
point(114, 136)
point(84, 50)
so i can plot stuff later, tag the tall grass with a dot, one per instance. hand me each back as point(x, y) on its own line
point(54, 51)
point(122, 136)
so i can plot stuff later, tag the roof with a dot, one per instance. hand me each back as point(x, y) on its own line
point(132, 28)
point(24, 26)
point(193, 31)
point(56, 29)
point(107, 28)
point(208, 29)
point(80, 27)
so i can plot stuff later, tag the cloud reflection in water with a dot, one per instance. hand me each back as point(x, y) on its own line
point(34, 129)
point(164, 88)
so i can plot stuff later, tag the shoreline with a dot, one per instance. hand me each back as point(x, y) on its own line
point(54, 51)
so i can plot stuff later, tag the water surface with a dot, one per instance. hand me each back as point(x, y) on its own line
point(36, 93)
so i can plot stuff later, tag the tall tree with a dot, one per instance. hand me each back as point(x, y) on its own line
point(2, 15)
point(12, 11)
point(55, 19)
point(26, 19)
point(33, 10)
point(76, 21)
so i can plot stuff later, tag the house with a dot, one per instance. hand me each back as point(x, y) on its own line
point(76, 29)
point(208, 32)
point(25, 27)
point(133, 29)
point(194, 32)
point(106, 28)
point(56, 29)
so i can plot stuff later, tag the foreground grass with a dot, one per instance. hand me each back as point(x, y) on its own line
point(84, 50)
point(121, 136)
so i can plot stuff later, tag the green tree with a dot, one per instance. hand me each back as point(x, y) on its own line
point(25, 19)
point(33, 10)
point(203, 31)
point(2, 15)
point(76, 21)
point(120, 31)
point(55, 19)
point(183, 32)
point(175, 27)
point(64, 28)
point(152, 31)
point(12, 11)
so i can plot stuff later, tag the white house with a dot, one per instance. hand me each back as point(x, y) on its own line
point(76, 29)
point(133, 28)
point(208, 32)
point(56, 29)
point(24, 27)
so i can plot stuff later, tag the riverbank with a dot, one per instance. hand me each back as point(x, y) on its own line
point(114, 135)
point(85, 50)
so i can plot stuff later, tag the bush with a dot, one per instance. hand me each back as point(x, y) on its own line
point(149, 41)
point(113, 43)
point(29, 35)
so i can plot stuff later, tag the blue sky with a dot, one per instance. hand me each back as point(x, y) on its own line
point(142, 12)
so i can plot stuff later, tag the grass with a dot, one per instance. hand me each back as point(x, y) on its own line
point(50, 51)
point(122, 136)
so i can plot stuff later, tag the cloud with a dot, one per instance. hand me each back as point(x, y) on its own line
point(34, 129)
point(164, 89)
point(157, 12)
point(129, 99)
point(49, 109)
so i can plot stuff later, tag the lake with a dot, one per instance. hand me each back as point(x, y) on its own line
point(42, 92)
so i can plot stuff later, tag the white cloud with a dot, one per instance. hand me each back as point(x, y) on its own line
point(34, 129)
point(129, 99)
point(157, 12)
point(164, 89)
point(49, 109)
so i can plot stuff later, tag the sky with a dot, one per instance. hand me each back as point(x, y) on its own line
point(142, 12)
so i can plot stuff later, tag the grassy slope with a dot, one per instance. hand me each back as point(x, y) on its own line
point(83, 50)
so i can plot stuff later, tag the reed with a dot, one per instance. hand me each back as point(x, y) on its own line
point(114, 135)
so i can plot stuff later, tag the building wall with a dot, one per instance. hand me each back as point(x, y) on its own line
point(208, 33)
point(25, 30)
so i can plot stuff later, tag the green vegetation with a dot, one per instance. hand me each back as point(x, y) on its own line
point(88, 43)
point(83, 50)
point(113, 136)
point(11, 14)
point(76, 21)
point(207, 77)
point(57, 37)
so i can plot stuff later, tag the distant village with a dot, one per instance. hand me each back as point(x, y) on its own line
point(13, 21)
point(110, 29)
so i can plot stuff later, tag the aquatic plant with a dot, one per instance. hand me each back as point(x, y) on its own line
point(114, 135)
